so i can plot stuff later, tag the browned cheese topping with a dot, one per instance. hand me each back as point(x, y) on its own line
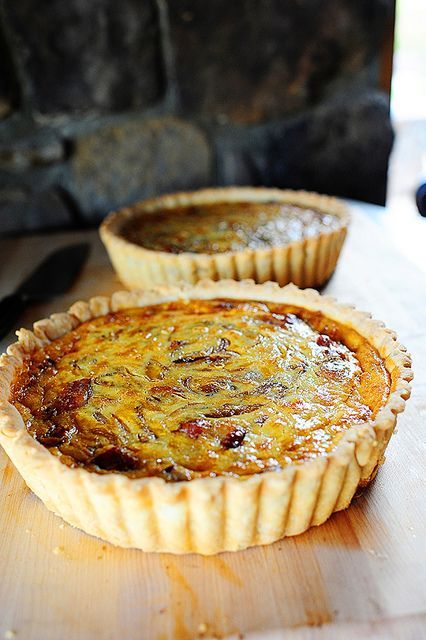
point(201, 388)
point(227, 226)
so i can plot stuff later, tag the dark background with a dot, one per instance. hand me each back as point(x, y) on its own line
point(104, 102)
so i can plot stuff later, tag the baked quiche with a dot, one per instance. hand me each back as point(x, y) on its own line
point(201, 418)
point(239, 232)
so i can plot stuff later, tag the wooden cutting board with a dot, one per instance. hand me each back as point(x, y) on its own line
point(361, 574)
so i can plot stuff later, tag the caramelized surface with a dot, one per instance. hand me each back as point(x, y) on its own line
point(188, 389)
point(227, 226)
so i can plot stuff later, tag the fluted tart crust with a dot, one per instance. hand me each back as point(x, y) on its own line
point(234, 232)
point(203, 418)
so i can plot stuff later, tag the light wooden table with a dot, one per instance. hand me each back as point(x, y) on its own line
point(360, 575)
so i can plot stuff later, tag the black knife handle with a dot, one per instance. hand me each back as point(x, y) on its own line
point(11, 308)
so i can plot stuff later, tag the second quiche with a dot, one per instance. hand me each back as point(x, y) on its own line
point(238, 232)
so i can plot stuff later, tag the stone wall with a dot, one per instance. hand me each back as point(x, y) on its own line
point(105, 102)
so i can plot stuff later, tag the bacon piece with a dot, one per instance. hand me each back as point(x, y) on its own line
point(323, 340)
point(54, 436)
point(194, 428)
point(234, 438)
point(99, 417)
point(120, 423)
point(116, 459)
point(222, 345)
point(278, 319)
point(273, 388)
point(166, 390)
point(212, 353)
point(175, 344)
point(72, 396)
point(47, 363)
point(208, 357)
point(193, 357)
point(210, 387)
point(228, 410)
point(227, 304)
point(144, 434)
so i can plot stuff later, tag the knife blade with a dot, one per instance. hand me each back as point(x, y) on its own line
point(52, 277)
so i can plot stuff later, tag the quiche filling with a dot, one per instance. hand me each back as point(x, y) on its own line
point(227, 226)
point(187, 389)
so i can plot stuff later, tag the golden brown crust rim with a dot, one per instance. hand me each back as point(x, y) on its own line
point(306, 263)
point(205, 515)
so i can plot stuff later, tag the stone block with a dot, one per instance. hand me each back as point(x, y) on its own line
point(253, 60)
point(24, 144)
point(341, 147)
point(24, 210)
point(122, 163)
point(78, 55)
point(32, 198)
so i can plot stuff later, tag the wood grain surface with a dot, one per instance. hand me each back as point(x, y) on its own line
point(360, 575)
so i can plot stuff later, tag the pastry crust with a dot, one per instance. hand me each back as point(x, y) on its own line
point(307, 263)
point(211, 514)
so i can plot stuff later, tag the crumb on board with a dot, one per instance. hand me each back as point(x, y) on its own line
point(205, 633)
point(377, 554)
point(9, 634)
point(57, 551)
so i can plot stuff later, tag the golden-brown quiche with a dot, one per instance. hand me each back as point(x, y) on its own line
point(237, 232)
point(201, 418)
